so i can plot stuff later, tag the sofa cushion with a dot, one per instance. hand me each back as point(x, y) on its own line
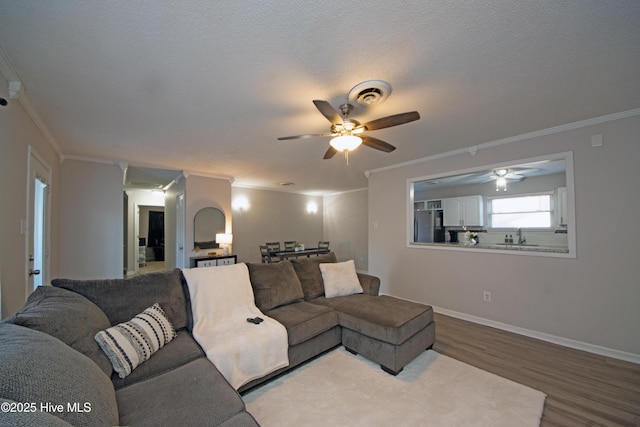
point(340, 279)
point(68, 316)
point(370, 284)
point(304, 320)
point(385, 318)
point(36, 367)
point(182, 350)
point(274, 284)
point(308, 271)
point(131, 343)
point(121, 299)
point(195, 394)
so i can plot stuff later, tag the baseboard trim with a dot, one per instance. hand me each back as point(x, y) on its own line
point(566, 342)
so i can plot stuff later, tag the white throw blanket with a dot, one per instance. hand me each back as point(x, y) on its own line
point(222, 300)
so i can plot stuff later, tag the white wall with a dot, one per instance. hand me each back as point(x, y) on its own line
point(592, 299)
point(91, 220)
point(273, 216)
point(345, 226)
point(17, 133)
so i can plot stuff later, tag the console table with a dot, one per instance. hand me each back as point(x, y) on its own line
point(212, 260)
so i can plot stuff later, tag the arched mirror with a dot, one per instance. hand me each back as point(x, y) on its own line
point(207, 222)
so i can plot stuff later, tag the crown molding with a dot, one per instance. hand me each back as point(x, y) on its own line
point(121, 165)
point(5, 67)
point(208, 175)
point(473, 149)
point(10, 75)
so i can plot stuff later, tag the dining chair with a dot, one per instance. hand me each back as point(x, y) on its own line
point(289, 244)
point(264, 253)
point(273, 247)
point(323, 245)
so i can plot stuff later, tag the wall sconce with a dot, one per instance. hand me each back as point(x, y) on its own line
point(240, 203)
point(312, 207)
point(224, 240)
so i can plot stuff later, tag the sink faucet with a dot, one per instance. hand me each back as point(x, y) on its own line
point(521, 240)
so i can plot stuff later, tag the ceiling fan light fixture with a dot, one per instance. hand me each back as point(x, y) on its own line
point(346, 142)
point(501, 183)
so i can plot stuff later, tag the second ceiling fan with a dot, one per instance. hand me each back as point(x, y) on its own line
point(348, 133)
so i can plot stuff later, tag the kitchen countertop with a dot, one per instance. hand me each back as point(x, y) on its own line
point(514, 247)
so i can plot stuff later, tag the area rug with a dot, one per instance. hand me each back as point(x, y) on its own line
point(340, 389)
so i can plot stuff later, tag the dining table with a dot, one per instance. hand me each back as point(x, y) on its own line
point(292, 253)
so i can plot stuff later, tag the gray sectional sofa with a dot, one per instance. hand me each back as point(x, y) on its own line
point(52, 371)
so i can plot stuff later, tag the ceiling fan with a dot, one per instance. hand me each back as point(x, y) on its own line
point(348, 133)
point(502, 176)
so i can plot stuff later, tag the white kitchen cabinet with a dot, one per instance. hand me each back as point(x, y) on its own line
point(459, 211)
point(452, 208)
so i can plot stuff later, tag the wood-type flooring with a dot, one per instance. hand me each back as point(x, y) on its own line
point(583, 389)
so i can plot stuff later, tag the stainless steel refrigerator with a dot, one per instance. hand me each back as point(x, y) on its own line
point(428, 226)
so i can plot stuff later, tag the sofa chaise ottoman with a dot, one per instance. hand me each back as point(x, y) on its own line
point(387, 330)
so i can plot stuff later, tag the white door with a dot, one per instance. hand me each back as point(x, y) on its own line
point(37, 230)
point(180, 224)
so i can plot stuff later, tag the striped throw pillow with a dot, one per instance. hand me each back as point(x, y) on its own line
point(129, 344)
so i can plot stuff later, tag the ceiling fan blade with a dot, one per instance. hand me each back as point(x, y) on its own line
point(328, 111)
point(330, 153)
point(377, 144)
point(311, 135)
point(395, 120)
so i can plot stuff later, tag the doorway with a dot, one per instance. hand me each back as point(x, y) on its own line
point(155, 234)
point(151, 189)
point(37, 227)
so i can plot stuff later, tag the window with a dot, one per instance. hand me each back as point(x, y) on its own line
point(534, 203)
point(528, 211)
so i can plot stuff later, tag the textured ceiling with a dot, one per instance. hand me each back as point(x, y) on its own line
point(208, 86)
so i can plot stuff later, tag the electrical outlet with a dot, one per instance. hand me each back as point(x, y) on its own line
point(486, 296)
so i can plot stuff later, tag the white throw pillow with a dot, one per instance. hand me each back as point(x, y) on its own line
point(340, 279)
point(129, 344)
